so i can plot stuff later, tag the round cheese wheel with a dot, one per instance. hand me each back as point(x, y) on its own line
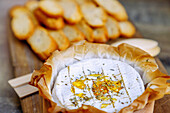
point(106, 84)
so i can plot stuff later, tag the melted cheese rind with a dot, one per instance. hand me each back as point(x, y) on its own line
point(85, 72)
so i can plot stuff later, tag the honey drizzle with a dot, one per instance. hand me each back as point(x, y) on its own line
point(108, 91)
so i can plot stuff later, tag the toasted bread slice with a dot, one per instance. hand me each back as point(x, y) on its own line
point(113, 29)
point(127, 29)
point(86, 30)
point(60, 38)
point(21, 10)
point(72, 13)
point(114, 8)
point(81, 2)
point(51, 8)
point(94, 16)
point(51, 23)
point(18, 10)
point(32, 5)
point(22, 27)
point(100, 35)
point(73, 33)
point(41, 43)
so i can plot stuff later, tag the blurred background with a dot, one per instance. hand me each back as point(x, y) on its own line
point(151, 17)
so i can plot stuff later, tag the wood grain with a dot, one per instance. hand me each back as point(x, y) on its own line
point(24, 61)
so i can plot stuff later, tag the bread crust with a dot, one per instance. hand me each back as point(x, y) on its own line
point(75, 16)
point(43, 55)
point(51, 23)
point(46, 11)
point(21, 10)
point(32, 5)
point(141, 61)
point(100, 35)
point(127, 29)
point(112, 28)
point(19, 35)
point(94, 16)
point(114, 8)
point(12, 11)
point(60, 38)
point(81, 2)
point(86, 30)
point(73, 33)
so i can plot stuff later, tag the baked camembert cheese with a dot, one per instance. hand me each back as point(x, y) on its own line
point(106, 84)
point(93, 78)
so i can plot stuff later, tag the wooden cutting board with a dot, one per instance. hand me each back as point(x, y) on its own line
point(24, 61)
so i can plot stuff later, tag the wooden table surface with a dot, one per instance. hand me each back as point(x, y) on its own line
point(152, 18)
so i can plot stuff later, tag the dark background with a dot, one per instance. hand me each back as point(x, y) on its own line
point(152, 18)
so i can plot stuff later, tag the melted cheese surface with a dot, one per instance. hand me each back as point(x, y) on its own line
point(106, 84)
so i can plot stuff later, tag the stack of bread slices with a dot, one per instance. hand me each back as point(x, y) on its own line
point(49, 25)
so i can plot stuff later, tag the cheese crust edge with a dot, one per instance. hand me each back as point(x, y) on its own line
point(155, 80)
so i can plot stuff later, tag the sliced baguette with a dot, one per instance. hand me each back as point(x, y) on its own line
point(100, 35)
point(86, 30)
point(21, 10)
point(60, 38)
point(114, 8)
point(94, 16)
point(72, 13)
point(22, 27)
point(18, 10)
point(41, 43)
point(73, 33)
point(51, 8)
point(32, 5)
point(113, 29)
point(51, 23)
point(127, 29)
point(81, 2)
